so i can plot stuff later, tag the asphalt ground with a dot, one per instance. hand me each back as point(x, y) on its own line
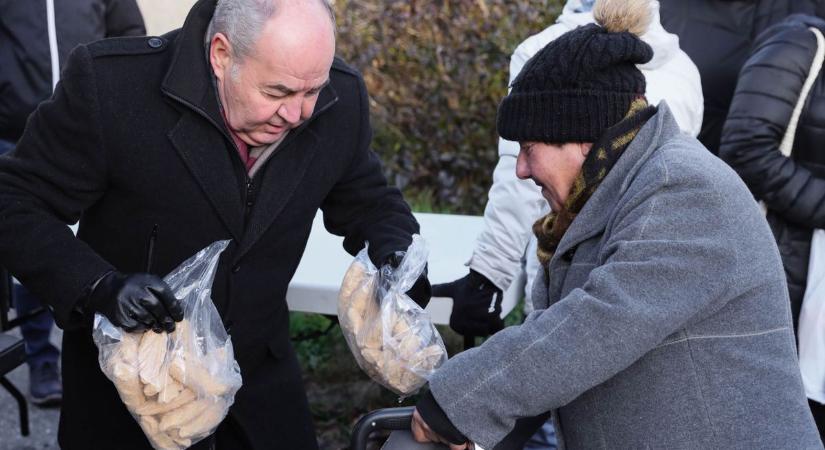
point(42, 422)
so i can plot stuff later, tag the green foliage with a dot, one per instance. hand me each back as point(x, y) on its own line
point(516, 316)
point(436, 71)
point(315, 349)
point(424, 201)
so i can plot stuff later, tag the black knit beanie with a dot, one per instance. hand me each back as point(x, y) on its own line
point(575, 87)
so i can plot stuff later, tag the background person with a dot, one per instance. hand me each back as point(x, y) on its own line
point(35, 39)
point(718, 35)
point(793, 188)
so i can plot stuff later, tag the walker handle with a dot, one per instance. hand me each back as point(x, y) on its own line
point(380, 419)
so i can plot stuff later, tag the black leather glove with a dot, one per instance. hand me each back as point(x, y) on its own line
point(476, 304)
point(136, 302)
point(421, 291)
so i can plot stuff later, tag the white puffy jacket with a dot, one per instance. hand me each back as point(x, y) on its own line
point(514, 205)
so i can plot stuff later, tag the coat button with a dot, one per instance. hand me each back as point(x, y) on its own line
point(155, 42)
point(236, 269)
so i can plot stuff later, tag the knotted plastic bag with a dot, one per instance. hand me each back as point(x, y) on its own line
point(392, 338)
point(178, 386)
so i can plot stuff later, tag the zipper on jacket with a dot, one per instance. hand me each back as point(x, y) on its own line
point(249, 198)
point(249, 191)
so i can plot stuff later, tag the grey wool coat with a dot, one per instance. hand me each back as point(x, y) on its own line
point(665, 324)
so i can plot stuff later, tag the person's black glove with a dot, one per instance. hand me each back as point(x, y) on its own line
point(136, 302)
point(421, 291)
point(476, 304)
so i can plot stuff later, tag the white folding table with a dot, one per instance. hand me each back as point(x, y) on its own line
point(450, 239)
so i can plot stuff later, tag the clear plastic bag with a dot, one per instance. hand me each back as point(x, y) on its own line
point(178, 386)
point(392, 338)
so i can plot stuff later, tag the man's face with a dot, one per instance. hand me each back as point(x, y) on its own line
point(553, 167)
point(274, 89)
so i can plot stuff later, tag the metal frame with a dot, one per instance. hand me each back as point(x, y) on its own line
point(6, 292)
point(22, 407)
point(381, 419)
point(6, 324)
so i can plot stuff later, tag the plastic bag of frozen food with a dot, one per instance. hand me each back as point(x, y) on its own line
point(392, 338)
point(178, 386)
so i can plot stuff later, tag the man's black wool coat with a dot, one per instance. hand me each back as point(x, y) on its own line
point(134, 137)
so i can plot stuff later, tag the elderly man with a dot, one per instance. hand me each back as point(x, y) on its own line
point(661, 311)
point(240, 126)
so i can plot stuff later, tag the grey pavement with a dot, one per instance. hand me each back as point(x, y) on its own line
point(42, 422)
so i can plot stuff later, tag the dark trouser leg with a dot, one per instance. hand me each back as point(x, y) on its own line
point(818, 410)
point(36, 330)
point(543, 439)
point(44, 378)
point(228, 436)
point(5, 146)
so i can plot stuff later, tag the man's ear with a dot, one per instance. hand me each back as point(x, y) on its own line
point(585, 147)
point(220, 55)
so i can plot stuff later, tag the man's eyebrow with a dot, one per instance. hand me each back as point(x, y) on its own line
point(288, 91)
point(318, 88)
point(282, 88)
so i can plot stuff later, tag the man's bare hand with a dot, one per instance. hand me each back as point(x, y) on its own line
point(422, 433)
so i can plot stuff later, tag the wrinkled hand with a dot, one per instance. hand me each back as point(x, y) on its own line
point(476, 304)
point(423, 433)
point(136, 302)
point(421, 291)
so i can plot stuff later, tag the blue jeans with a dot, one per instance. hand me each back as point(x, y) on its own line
point(544, 438)
point(6, 146)
point(35, 330)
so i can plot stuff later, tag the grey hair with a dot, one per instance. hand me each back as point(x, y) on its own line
point(241, 21)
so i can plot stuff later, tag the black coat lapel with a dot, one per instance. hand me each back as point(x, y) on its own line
point(283, 172)
point(204, 151)
point(281, 175)
point(599, 209)
point(204, 147)
point(200, 136)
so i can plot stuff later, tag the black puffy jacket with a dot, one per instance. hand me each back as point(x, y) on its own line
point(25, 55)
point(792, 188)
point(718, 36)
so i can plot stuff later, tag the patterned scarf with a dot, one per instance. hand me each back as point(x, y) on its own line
point(602, 157)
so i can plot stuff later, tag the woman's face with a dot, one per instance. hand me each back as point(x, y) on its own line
point(554, 167)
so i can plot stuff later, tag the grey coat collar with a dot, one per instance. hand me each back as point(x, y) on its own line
point(597, 211)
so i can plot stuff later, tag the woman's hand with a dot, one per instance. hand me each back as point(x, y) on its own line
point(423, 433)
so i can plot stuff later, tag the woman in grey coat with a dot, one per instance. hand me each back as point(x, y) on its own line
point(662, 316)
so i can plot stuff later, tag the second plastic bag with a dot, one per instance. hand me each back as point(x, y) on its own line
point(392, 338)
point(180, 385)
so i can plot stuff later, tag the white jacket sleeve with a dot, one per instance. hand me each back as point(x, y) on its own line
point(513, 205)
point(673, 77)
point(677, 82)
